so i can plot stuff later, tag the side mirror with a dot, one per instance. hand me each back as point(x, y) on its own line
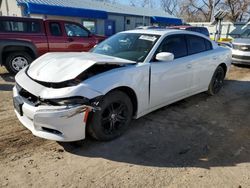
point(164, 56)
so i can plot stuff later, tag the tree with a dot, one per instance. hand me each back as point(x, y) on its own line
point(237, 9)
point(170, 6)
point(203, 8)
point(189, 13)
point(107, 1)
point(142, 3)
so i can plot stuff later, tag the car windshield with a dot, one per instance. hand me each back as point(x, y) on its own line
point(245, 34)
point(130, 46)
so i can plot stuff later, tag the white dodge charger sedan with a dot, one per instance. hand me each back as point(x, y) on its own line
point(63, 96)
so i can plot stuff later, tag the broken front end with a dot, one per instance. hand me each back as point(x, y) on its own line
point(58, 114)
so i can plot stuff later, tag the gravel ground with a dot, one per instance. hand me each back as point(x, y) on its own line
point(201, 141)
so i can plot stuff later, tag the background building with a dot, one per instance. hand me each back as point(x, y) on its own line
point(99, 17)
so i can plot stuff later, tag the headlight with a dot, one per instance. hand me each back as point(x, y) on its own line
point(67, 101)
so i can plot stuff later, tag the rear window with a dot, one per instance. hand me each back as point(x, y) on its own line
point(20, 26)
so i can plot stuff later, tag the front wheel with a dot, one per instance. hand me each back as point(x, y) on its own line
point(113, 119)
point(16, 61)
point(217, 81)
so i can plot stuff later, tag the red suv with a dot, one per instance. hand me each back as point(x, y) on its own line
point(24, 39)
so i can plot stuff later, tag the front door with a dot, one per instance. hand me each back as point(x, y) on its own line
point(171, 80)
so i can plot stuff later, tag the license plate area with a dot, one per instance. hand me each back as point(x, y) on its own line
point(18, 103)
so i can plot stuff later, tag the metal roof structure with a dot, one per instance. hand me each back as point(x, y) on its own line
point(103, 6)
point(79, 7)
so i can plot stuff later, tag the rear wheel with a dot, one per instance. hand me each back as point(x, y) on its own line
point(16, 61)
point(113, 119)
point(217, 81)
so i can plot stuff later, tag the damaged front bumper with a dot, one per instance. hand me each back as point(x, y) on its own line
point(59, 123)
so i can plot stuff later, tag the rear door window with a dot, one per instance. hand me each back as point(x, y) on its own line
point(195, 44)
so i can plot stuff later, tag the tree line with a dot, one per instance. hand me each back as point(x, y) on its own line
point(198, 10)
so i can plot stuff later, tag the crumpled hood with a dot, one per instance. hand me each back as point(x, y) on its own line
point(58, 67)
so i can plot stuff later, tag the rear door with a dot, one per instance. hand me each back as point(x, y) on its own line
point(171, 80)
point(57, 41)
point(200, 50)
point(79, 38)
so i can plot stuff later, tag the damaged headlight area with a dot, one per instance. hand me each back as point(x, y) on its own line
point(67, 101)
point(92, 104)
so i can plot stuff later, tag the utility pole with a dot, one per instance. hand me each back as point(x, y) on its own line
point(213, 10)
point(7, 7)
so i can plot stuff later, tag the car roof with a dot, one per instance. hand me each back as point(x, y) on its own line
point(153, 31)
point(185, 27)
point(162, 32)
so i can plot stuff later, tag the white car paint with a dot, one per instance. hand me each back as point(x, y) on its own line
point(155, 84)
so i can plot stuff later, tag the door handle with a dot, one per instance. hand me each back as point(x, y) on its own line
point(70, 39)
point(189, 66)
point(214, 58)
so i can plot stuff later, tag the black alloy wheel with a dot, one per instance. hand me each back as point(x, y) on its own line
point(113, 119)
point(217, 81)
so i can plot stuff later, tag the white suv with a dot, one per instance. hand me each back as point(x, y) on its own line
point(241, 49)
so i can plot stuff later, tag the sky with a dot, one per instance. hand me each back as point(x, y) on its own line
point(127, 2)
point(156, 2)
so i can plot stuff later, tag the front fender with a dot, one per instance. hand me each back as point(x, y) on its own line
point(135, 77)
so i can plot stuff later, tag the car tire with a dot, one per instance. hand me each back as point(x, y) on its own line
point(216, 81)
point(113, 119)
point(16, 61)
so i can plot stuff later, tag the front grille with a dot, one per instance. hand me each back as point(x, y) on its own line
point(245, 48)
point(241, 57)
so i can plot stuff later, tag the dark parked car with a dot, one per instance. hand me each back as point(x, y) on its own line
point(24, 39)
point(202, 30)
